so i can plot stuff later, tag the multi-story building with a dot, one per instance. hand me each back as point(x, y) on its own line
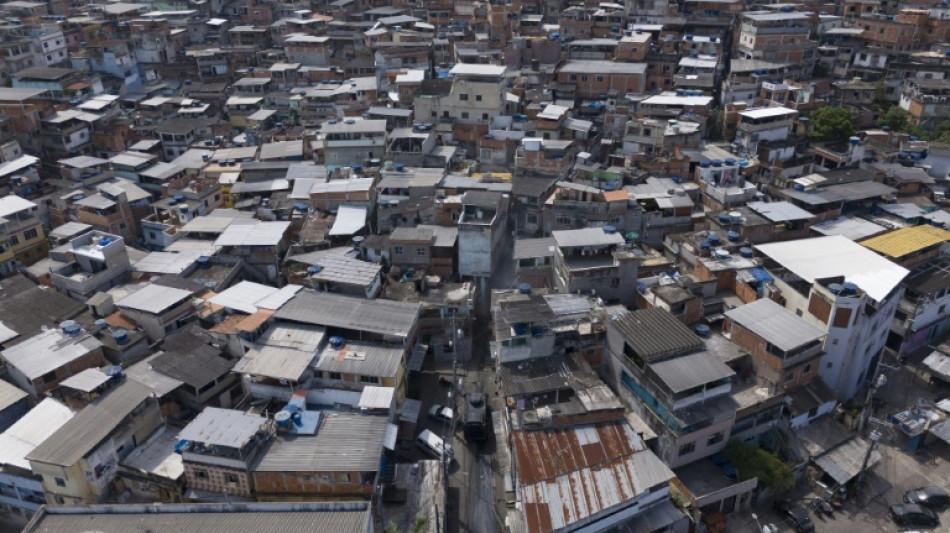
point(39, 364)
point(79, 461)
point(476, 95)
point(22, 240)
point(848, 290)
point(691, 411)
point(595, 261)
point(925, 100)
point(777, 36)
point(602, 79)
point(482, 230)
point(94, 261)
point(351, 142)
point(157, 309)
point(220, 449)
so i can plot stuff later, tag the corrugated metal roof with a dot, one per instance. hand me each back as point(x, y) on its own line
point(361, 358)
point(384, 317)
point(342, 269)
point(10, 394)
point(654, 333)
point(775, 324)
point(853, 228)
point(689, 371)
point(161, 384)
point(374, 397)
point(81, 434)
point(844, 462)
point(276, 299)
point(48, 351)
point(407, 234)
point(153, 298)
point(243, 296)
point(31, 430)
point(12, 204)
point(533, 248)
point(585, 237)
point(250, 234)
point(827, 257)
point(166, 262)
point(222, 427)
point(938, 364)
point(85, 381)
point(349, 220)
point(567, 475)
point(296, 517)
point(284, 351)
point(779, 211)
point(899, 243)
point(196, 367)
point(343, 443)
point(157, 455)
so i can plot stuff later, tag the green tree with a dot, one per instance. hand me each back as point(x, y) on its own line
point(831, 123)
point(752, 461)
point(880, 96)
point(895, 118)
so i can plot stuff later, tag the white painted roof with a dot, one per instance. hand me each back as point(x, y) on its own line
point(153, 298)
point(30, 431)
point(826, 257)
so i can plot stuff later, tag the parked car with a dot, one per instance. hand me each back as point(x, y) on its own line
point(911, 514)
point(433, 444)
point(933, 497)
point(441, 413)
point(796, 516)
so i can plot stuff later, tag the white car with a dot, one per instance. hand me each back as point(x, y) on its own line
point(441, 413)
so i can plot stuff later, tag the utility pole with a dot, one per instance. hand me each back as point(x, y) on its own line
point(875, 436)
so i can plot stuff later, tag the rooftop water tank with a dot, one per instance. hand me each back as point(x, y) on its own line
point(283, 419)
point(717, 162)
point(400, 167)
point(704, 245)
point(704, 164)
point(746, 252)
point(835, 288)
point(724, 217)
point(100, 324)
point(120, 336)
point(314, 269)
point(71, 328)
point(524, 288)
point(104, 241)
point(204, 262)
point(337, 342)
point(632, 236)
point(721, 253)
point(702, 330)
point(854, 140)
point(713, 238)
point(113, 371)
point(849, 288)
point(735, 216)
point(730, 161)
point(610, 230)
point(733, 236)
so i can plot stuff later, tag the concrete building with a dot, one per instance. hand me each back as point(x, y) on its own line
point(482, 229)
point(351, 142)
point(157, 309)
point(39, 364)
point(93, 262)
point(79, 461)
point(847, 290)
point(22, 240)
point(661, 369)
point(595, 261)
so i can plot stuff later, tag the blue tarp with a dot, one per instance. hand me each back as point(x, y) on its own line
point(760, 274)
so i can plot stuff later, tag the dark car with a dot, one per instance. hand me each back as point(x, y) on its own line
point(933, 497)
point(911, 514)
point(796, 516)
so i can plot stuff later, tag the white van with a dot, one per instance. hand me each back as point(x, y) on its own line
point(433, 444)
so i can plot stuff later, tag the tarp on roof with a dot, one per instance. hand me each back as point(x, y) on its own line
point(761, 274)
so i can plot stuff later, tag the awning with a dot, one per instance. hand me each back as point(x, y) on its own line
point(349, 220)
point(844, 462)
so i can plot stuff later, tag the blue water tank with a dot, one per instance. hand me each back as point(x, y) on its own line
point(100, 324)
point(746, 252)
point(300, 206)
point(71, 328)
point(733, 236)
point(399, 167)
point(730, 161)
point(524, 288)
point(704, 245)
point(704, 164)
point(724, 218)
point(849, 288)
point(702, 330)
point(113, 371)
point(713, 238)
point(337, 341)
point(283, 419)
point(104, 241)
point(297, 418)
point(937, 223)
point(314, 269)
point(204, 262)
point(854, 140)
point(120, 336)
point(835, 288)
point(610, 230)
point(717, 162)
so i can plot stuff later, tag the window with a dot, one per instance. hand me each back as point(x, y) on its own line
point(335, 375)
point(344, 478)
point(807, 369)
point(60, 482)
point(830, 365)
point(201, 474)
point(583, 77)
point(464, 114)
point(600, 79)
point(14, 240)
point(122, 225)
point(563, 220)
point(484, 116)
point(715, 438)
point(420, 251)
point(532, 219)
point(478, 97)
point(369, 379)
point(687, 448)
point(49, 377)
point(463, 97)
point(232, 478)
point(789, 377)
point(397, 250)
point(31, 234)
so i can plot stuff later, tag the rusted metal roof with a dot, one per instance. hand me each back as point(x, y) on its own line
point(569, 475)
